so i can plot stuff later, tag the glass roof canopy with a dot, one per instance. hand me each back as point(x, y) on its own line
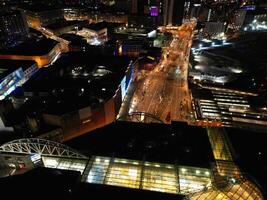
point(195, 183)
point(136, 174)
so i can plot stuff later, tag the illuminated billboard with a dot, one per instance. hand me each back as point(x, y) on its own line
point(154, 11)
point(10, 82)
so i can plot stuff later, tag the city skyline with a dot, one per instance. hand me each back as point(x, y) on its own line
point(147, 99)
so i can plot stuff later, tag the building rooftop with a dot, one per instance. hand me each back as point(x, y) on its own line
point(73, 38)
point(80, 78)
point(9, 66)
point(178, 143)
point(249, 49)
point(97, 26)
point(31, 47)
point(134, 31)
point(64, 23)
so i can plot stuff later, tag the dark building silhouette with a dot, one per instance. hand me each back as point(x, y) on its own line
point(173, 12)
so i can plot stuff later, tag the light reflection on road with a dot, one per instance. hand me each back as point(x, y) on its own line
point(164, 92)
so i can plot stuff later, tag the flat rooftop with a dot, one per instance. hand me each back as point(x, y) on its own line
point(31, 47)
point(178, 143)
point(97, 26)
point(64, 23)
point(73, 38)
point(250, 51)
point(9, 66)
point(80, 78)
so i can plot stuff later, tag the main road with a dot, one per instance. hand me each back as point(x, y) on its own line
point(164, 91)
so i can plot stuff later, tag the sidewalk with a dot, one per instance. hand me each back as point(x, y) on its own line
point(125, 106)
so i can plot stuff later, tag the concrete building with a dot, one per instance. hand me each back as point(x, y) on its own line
point(84, 93)
point(250, 19)
point(96, 31)
point(214, 28)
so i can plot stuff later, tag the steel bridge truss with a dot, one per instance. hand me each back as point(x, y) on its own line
point(40, 146)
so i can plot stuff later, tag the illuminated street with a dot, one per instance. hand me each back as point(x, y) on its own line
point(140, 99)
point(164, 91)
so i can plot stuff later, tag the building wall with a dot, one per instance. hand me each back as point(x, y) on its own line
point(33, 21)
point(110, 112)
point(53, 119)
point(97, 120)
point(214, 28)
point(239, 18)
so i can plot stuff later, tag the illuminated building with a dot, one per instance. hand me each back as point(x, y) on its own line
point(97, 85)
point(42, 15)
point(142, 7)
point(222, 180)
point(239, 18)
point(141, 40)
point(250, 19)
point(13, 26)
point(13, 74)
point(95, 34)
point(224, 93)
point(75, 14)
point(43, 52)
point(146, 13)
point(214, 28)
